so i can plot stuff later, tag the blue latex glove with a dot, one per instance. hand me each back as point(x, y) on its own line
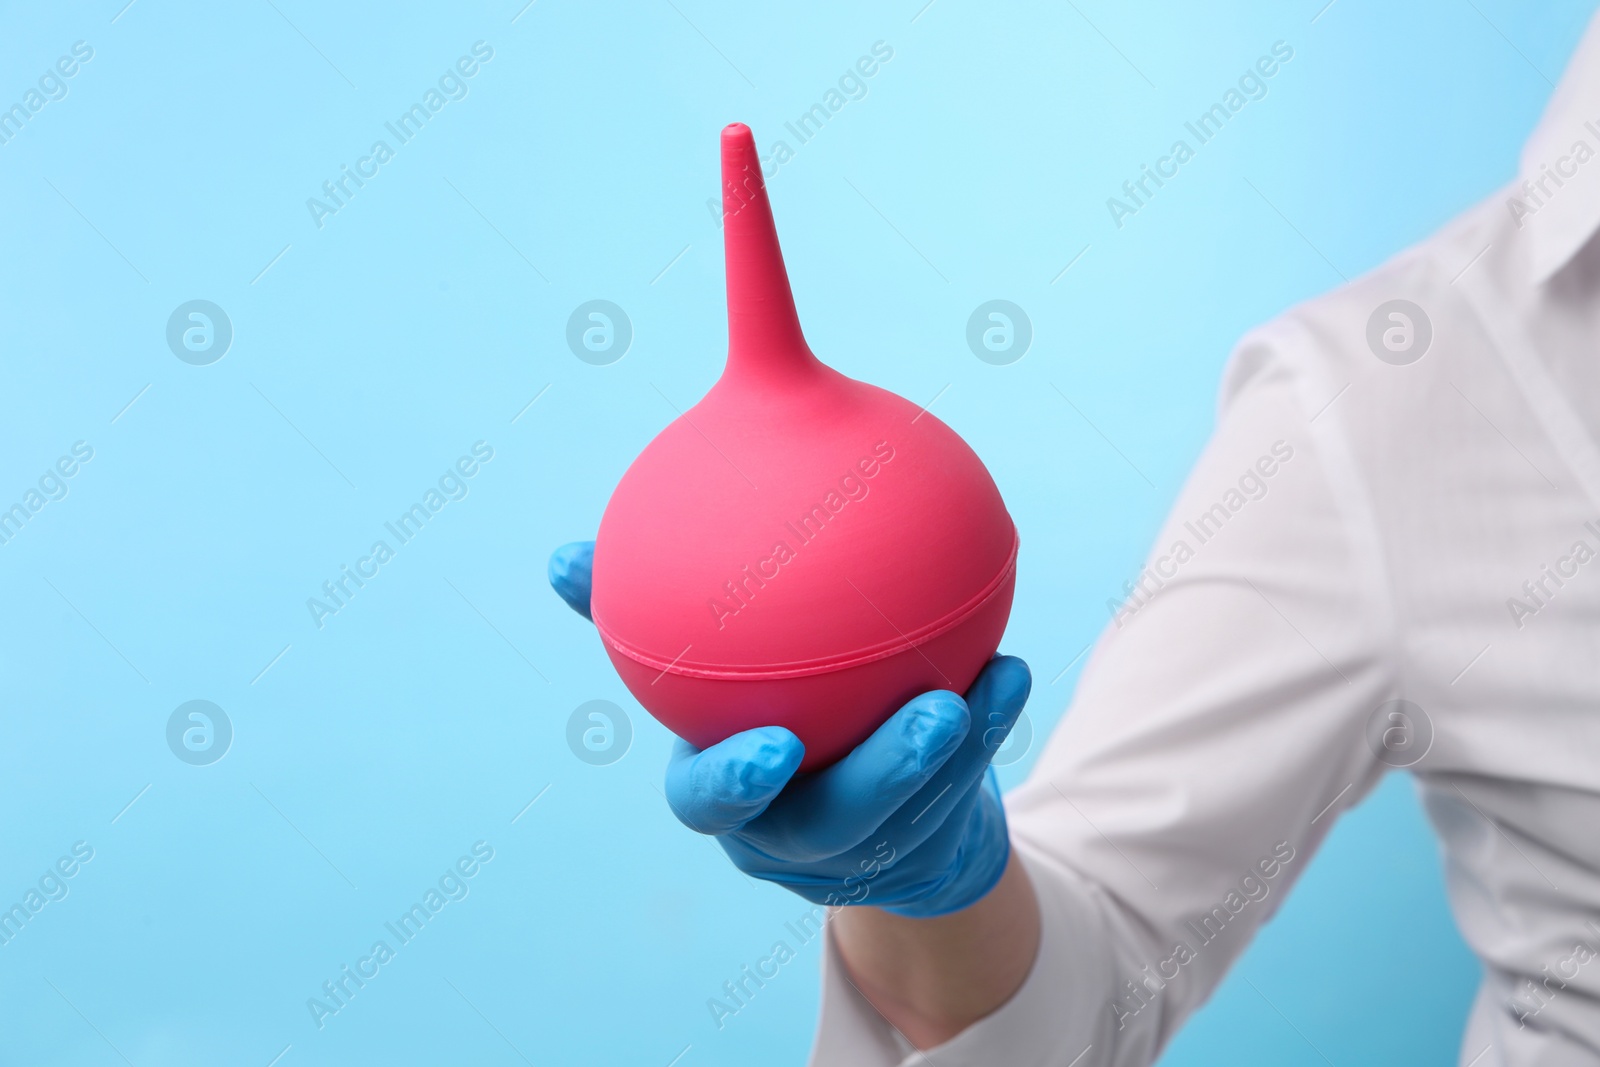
point(909, 821)
point(571, 572)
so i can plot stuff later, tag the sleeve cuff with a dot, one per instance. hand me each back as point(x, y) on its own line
point(1058, 1018)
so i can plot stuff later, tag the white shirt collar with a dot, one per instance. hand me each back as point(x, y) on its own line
point(1557, 208)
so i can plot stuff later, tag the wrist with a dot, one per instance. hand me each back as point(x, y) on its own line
point(968, 883)
point(931, 978)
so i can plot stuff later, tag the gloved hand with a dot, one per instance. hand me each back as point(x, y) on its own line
point(909, 821)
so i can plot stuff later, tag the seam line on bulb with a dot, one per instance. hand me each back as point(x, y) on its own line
point(824, 665)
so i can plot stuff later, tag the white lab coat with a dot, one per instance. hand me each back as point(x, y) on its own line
point(1429, 532)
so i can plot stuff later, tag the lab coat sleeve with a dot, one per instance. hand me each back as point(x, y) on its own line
point(1219, 728)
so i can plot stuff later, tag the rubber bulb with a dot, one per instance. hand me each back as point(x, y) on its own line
point(799, 548)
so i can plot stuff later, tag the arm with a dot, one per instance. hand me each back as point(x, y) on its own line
point(932, 978)
point(1216, 734)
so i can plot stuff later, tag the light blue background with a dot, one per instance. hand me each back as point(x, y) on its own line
point(429, 712)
